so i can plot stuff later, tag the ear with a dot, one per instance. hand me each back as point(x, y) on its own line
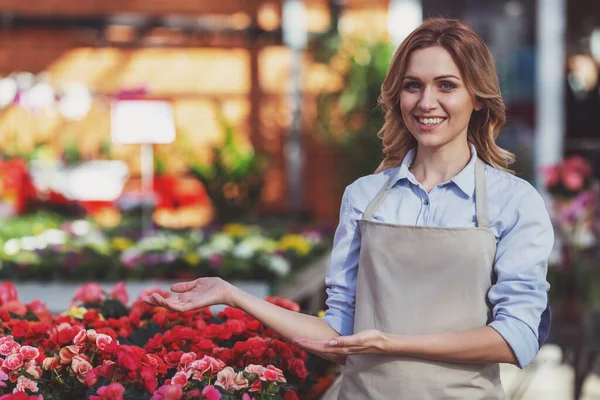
point(477, 104)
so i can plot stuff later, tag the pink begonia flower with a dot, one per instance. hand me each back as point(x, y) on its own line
point(114, 391)
point(88, 293)
point(119, 292)
point(215, 260)
point(273, 374)
point(207, 364)
point(8, 346)
point(572, 180)
point(256, 386)
point(24, 383)
point(13, 362)
point(187, 359)
point(67, 353)
point(51, 363)
point(91, 335)
point(102, 341)
point(180, 378)
point(551, 175)
point(8, 292)
point(81, 367)
point(29, 352)
point(33, 369)
point(38, 307)
point(230, 381)
point(168, 392)
point(211, 393)
point(255, 369)
point(246, 396)
point(3, 377)
point(15, 307)
point(80, 338)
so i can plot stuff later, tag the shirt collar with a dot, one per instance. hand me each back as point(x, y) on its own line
point(464, 180)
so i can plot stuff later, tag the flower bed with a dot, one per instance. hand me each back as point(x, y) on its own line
point(81, 251)
point(100, 349)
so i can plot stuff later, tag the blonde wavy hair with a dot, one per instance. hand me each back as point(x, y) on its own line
point(476, 65)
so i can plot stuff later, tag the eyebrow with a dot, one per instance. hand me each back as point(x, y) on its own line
point(437, 78)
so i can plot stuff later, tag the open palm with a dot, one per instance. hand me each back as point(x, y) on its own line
point(193, 295)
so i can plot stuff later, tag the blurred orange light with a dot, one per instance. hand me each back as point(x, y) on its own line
point(120, 33)
point(240, 20)
point(269, 16)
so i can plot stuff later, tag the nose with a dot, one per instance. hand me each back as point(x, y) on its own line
point(428, 100)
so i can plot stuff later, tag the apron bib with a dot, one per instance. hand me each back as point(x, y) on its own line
point(415, 280)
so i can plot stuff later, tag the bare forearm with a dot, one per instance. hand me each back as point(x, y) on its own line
point(482, 345)
point(289, 324)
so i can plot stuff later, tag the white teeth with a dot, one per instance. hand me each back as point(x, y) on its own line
point(430, 121)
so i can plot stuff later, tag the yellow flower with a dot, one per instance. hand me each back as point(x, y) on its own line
point(321, 314)
point(192, 258)
point(76, 312)
point(37, 228)
point(235, 230)
point(177, 244)
point(79, 312)
point(297, 243)
point(121, 243)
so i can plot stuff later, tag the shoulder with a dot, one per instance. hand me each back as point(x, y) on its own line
point(514, 202)
point(504, 185)
point(364, 189)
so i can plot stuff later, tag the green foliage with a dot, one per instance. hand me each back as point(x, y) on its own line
point(234, 179)
point(351, 118)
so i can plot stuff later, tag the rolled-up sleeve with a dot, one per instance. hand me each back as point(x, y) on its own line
point(342, 273)
point(520, 294)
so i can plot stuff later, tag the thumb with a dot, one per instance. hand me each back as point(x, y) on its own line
point(183, 286)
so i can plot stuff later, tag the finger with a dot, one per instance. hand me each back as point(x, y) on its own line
point(160, 301)
point(314, 345)
point(149, 300)
point(183, 286)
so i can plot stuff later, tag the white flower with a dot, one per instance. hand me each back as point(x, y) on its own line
point(279, 265)
point(12, 247)
point(53, 236)
point(221, 242)
point(8, 91)
point(81, 227)
point(206, 251)
point(30, 243)
point(244, 250)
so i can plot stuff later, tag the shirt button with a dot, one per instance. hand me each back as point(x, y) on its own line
point(426, 202)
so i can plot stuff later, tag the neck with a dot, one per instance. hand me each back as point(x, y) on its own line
point(433, 166)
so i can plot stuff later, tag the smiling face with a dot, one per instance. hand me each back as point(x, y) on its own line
point(435, 102)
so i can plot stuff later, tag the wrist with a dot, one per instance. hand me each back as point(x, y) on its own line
point(389, 344)
point(233, 295)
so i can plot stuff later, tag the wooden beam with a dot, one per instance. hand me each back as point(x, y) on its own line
point(111, 7)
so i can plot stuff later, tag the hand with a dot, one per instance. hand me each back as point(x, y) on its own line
point(365, 342)
point(195, 294)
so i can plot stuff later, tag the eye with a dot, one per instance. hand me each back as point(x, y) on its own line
point(447, 85)
point(412, 86)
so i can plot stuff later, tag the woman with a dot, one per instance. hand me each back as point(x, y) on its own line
point(438, 269)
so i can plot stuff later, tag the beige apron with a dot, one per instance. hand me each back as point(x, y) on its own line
point(415, 280)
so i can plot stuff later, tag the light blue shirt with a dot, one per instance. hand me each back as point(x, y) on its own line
point(518, 218)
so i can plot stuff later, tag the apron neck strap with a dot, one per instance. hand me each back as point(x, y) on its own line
point(376, 202)
point(481, 195)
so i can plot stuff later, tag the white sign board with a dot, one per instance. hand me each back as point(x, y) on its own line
point(142, 122)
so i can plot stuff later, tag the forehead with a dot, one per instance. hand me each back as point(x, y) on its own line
point(431, 62)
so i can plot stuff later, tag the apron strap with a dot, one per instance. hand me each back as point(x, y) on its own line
point(381, 195)
point(481, 195)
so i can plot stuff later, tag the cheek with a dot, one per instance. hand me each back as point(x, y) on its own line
point(407, 104)
point(459, 107)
